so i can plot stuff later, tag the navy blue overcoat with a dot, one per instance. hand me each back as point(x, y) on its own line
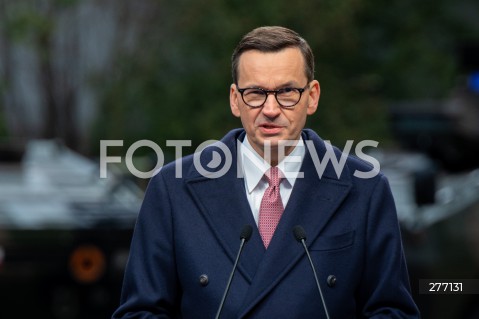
point(189, 227)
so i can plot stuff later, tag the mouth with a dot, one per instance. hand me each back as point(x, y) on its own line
point(269, 128)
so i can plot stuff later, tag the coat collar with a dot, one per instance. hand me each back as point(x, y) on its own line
point(224, 205)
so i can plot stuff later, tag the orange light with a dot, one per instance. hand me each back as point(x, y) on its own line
point(87, 263)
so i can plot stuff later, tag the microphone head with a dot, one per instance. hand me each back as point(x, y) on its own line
point(299, 233)
point(246, 232)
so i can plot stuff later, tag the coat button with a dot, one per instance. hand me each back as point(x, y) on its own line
point(204, 280)
point(331, 280)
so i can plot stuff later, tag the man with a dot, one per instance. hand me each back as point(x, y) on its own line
point(188, 231)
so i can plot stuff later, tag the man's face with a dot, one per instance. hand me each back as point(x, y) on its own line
point(273, 71)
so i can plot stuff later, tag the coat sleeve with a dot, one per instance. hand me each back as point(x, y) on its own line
point(385, 289)
point(150, 285)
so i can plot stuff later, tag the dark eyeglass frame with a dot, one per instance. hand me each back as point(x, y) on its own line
point(275, 92)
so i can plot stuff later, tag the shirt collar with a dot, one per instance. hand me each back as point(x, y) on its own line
point(254, 166)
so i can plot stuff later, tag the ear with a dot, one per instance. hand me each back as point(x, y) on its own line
point(313, 97)
point(234, 99)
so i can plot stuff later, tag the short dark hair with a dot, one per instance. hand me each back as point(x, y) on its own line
point(273, 39)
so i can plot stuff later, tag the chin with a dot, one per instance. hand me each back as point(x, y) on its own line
point(272, 142)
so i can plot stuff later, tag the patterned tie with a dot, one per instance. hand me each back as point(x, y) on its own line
point(271, 206)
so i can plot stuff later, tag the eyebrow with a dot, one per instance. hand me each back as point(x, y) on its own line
point(282, 86)
point(287, 84)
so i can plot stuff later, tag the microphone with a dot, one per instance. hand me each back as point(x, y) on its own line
point(300, 236)
point(245, 235)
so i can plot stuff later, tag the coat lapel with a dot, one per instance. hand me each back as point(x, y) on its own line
point(225, 207)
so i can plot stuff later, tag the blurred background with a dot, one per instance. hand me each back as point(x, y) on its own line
point(72, 73)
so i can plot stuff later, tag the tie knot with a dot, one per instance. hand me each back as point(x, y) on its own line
point(273, 176)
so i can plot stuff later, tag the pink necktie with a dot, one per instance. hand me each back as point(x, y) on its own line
point(271, 206)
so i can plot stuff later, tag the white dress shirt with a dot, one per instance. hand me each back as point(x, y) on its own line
point(254, 167)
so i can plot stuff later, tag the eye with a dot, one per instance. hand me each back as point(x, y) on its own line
point(253, 92)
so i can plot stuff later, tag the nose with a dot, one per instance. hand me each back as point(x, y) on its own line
point(271, 108)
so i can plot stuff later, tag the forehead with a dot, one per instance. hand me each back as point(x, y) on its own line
point(271, 68)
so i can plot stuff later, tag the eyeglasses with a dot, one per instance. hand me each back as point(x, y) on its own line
point(286, 97)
